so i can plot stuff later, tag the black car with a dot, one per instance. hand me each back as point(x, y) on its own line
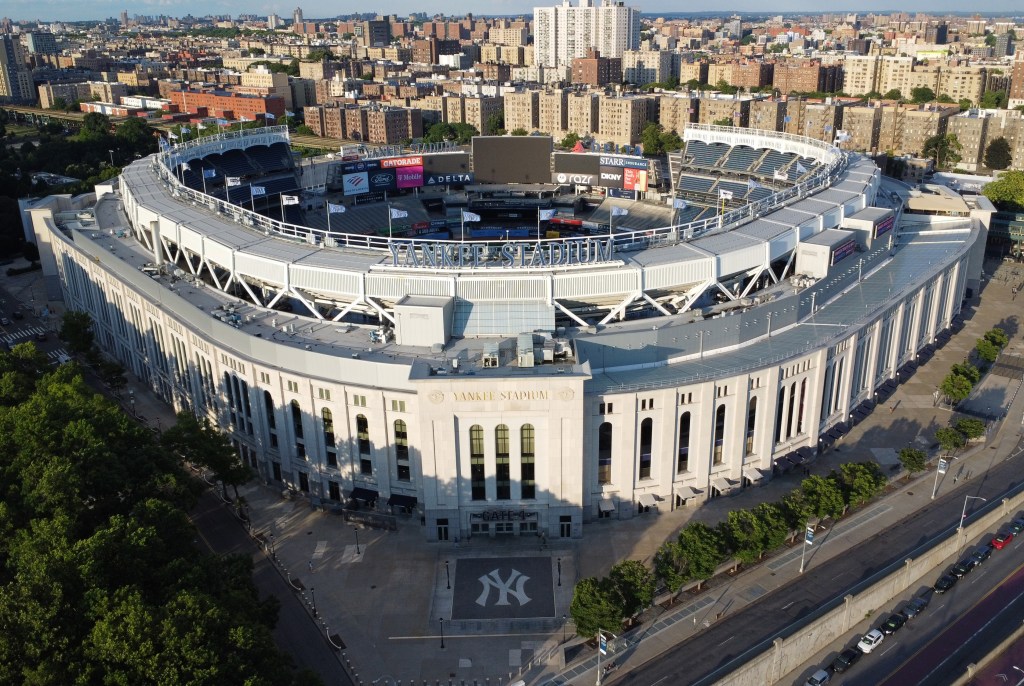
point(945, 582)
point(893, 623)
point(17, 314)
point(981, 553)
point(963, 567)
point(1017, 525)
point(914, 607)
point(846, 659)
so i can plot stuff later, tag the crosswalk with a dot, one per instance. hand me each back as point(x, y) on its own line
point(14, 336)
point(59, 356)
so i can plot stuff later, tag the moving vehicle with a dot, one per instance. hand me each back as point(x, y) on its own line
point(1002, 539)
point(845, 660)
point(893, 623)
point(945, 582)
point(870, 641)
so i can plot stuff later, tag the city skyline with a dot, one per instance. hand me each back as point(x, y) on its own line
point(63, 10)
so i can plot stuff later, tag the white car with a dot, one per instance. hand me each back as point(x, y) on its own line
point(870, 641)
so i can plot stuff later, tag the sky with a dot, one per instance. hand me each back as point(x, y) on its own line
point(67, 10)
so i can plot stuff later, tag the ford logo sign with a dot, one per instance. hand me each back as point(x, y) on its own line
point(381, 179)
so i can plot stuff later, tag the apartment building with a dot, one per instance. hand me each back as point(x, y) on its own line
point(641, 67)
point(566, 32)
point(622, 119)
point(676, 111)
point(976, 129)
point(522, 111)
point(393, 125)
point(1017, 82)
point(805, 76)
point(860, 74)
point(767, 114)
point(863, 123)
point(270, 82)
point(751, 74)
point(477, 112)
point(583, 113)
point(714, 110)
point(49, 93)
point(509, 36)
point(227, 105)
point(596, 70)
point(15, 79)
point(554, 112)
point(693, 71)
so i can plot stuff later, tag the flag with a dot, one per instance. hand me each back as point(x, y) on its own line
point(779, 175)
point(185, 129)
point(232, 181)
point(200, 126)
point(787, 119)
point(244, 118)
point(752, 185)
point(289, 200)
point(173, 135)
point(163, 143)
point(468, 216)
point(398, 214)
point(209, 173)
point(800, 169)
point(724, 194)
point(289, 114)
point(222, 122)
point(679, 204)
point(546, 215)
point(619, 211)
point(185, 166)
point(335, 209)
point(268, 115)
point(828, 127)
point(257, 190)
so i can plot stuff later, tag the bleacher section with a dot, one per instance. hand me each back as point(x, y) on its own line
point(270, 159)
point(697, 184)
point(699, 154)
point(774, 161)
point(741, 158)
point(231, 163)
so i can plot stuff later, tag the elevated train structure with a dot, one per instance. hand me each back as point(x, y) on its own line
point(664, 353)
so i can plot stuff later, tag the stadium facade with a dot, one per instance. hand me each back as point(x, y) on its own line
point(494, 394)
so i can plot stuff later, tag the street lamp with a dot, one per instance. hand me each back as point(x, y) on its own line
point(441, 619)
point(963, 515)
point(447, 576)
point(312, 599)
point(111, 157)
point(355, 529)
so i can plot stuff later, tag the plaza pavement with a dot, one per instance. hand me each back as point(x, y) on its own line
point(385, 601)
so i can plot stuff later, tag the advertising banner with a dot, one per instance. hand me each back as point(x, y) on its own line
point(624, 162)
point(409, 177)
point(355, 184)
point(611, 177)
point(407, 161)
point(634, 179)
point(579, 179)
point(382, 180)
point(444, 179)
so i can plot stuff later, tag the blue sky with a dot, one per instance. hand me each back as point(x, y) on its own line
point(55, 10)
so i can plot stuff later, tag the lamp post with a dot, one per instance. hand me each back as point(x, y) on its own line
point(312, 599)
point(963, 515)
point(940, 469)
point(564, 622)
point(559, 571)
point(447, 576)
point(441, 620)
point(111, 157)
point(356, 530)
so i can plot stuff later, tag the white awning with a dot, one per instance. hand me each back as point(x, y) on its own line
point(689, 491)
point(753, 474)
point(722, 484)
point(606, 505)
point(647, 500)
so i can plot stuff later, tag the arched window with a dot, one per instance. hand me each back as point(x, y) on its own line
point(604, 453)
point(800, 414)
point(778, 414)
point(268, 404)
point(297, 418)
point(646, 434)
point(402, 451)
point(719, 434)
point(527, 469)
point(363, 441)
point(328, 419)
point(476, 462)
point(683, 461)
point(503, 468)
point(751, 423)
point(792, 406)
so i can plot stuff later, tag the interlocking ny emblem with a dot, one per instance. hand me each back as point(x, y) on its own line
point(503, 588)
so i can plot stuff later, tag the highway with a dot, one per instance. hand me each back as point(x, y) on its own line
point(725, 645)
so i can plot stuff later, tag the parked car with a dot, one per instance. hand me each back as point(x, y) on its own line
point(963, 567)
point(914, 607)
point(845, 660)
point(41, 337)
point(1002, 539)
point(945, 582)
point(1017, 525)
point(870, 641)
point(819, 678)
point(893, 623)
point(981, 553)
point(4, 321)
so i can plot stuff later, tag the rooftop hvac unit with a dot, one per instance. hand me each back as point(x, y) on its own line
point(524, 350)
point(491, 356)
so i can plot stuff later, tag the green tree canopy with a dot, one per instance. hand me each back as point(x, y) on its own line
point(861, 481)
point(76, 331)
point(519, 132)
point(634, 586)
point(913, 459)
point(966, 370)
point(998, 155)
point(198, 442)
point(1007, 192)
point(956, 388)
point(703, 548)
point(987, 350)
point(894, 94)
point(945, 149)
point(595, 606)
point(670, 565)
point(997, 337)
point(823, 496)
point(495, 124)
point(745, 535)
point(949, 439)
point(970, 427)
point(922, 94)
point(570, 140)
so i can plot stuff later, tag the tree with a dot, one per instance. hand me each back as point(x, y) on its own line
point(966, 370)
point(956, 388)
point(913, 459)
point(993, 100)
point(774, 527)
point(987, 350)
point(650, 138)
point(823, 496)
point(464, 133)
point(570, 140)
point(495, 124)
point(670, 565)
point(861, 481)
point(745, 534)
point(200, 443)
point(634, 585)
point(724, 121)
point(965, 104)
point(944, 149)
point(997, 337)
point(998, 155)
point(595, 606)
point(519, 132)
point(703, 549)
point(76, 331)
point(922, 94)
point(893, 94)
point(970, 427)
point(304, 130)
point(94, 126)
point(949, 439)
point(1007, 192)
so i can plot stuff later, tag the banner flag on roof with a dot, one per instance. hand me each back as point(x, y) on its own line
point(779, 175)
point(257, 190)
point(546, 215)
point(619, 211)
point(398, 214)
point(335, 209)
point(209, 173)
point(232, 181)
point(800, 169)
point(185, 166)
point(289, 200)
point(679, 204)
point(724, 194)
point(470, 216)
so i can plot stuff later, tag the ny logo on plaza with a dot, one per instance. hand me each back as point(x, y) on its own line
point(503, 588)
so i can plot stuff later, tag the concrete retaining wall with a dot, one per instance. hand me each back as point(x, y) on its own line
point(787, 654)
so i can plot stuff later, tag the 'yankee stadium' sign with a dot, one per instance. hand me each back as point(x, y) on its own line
point(444, 255)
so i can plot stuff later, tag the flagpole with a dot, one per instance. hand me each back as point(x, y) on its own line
point(252, 199)
point(202, 171)
point(389, 222)
point(328, 217)
point(281, 198)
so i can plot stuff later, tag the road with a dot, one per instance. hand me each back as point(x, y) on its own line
point(725, 645)
point(295, 633)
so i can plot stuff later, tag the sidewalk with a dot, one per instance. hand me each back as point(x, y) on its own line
point(383, 594)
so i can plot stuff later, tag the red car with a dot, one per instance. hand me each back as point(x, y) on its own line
point(1002, 540)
